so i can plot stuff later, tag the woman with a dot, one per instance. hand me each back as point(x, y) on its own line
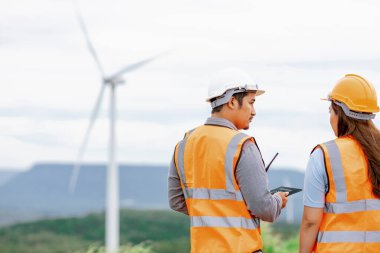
point(342, 180)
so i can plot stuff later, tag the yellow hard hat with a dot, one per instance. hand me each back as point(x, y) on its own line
point(356, 94)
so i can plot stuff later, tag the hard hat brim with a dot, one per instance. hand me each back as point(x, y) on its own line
point(328, 98)
point(259, 92)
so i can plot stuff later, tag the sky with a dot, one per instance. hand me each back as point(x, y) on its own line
point(295, 50)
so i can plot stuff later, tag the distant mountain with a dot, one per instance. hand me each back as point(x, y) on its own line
point(42, 191)
point(292, 178)
point(6, 175)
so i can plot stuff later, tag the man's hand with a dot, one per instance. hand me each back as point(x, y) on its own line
point(284, 197)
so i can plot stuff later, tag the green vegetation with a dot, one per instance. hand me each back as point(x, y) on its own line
point(141, 232)
point(275, 242)
point(139, 248)
point(165, 231)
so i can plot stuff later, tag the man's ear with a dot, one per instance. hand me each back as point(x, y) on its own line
point(232, 103)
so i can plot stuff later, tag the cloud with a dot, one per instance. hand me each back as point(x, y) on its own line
point(295, 50)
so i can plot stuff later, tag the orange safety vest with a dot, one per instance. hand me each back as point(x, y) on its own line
point(351, 217)
point(220, 221)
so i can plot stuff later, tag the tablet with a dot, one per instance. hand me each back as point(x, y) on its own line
point(286, 189)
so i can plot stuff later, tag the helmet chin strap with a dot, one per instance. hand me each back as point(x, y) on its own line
point(352, 114)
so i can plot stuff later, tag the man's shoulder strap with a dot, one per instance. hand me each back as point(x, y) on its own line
point(187, 134)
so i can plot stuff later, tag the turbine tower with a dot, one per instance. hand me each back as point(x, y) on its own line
point(112, 183)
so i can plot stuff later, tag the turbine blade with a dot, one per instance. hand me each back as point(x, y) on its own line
point(136, 65)
point(90, 46)
point(82, 149)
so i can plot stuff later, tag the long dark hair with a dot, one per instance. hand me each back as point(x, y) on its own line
point(368, 136)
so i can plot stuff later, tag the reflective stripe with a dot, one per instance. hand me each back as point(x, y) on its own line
point(372, 236)
point(213, 194)
point(229, 160)
point(181, 152)
point(348, 236)
point(337, 171)
point(354, 206)
point(225, 222)
point(181, 161)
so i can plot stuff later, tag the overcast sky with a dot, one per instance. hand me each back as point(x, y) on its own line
point(296, 50)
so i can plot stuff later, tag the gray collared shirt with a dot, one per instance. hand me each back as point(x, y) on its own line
point(250, 175)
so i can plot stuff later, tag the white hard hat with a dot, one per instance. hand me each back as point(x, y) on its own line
point(228, 82)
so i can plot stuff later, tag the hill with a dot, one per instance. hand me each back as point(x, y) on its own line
point(42, 191)
point(164, 231)
point(6, 175)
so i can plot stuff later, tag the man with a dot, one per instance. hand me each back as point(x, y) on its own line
point(217, 174)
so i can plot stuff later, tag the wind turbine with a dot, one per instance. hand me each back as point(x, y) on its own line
point(112, 184)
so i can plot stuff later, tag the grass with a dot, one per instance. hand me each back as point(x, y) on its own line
point(141, 232)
